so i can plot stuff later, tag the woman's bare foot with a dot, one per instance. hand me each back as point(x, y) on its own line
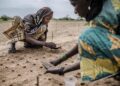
point(12, 49)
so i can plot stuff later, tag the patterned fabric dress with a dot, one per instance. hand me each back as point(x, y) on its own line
point(99, 47)
point(30, 24)
point(17, 31)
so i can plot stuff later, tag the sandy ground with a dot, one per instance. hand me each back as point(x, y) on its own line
point(22, 68)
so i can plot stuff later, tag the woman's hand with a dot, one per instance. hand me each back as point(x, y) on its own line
point(50, 45)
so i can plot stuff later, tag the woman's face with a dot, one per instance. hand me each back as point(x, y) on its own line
point(88, 9)
point(47, 18)
point(81, 7)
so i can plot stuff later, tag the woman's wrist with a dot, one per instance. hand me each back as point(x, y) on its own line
point(44, 43)
point(64, 56)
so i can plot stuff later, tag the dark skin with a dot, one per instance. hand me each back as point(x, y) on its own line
point(89, 11)
point(73, 51)
point(69, 54)
point(69, 68)
point(35, 42)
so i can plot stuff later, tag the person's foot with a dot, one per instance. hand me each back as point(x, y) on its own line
point(12, 50)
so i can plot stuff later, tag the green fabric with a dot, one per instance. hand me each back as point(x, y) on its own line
point(99, 48)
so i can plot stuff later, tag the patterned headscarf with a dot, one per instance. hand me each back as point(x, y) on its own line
point(41, 13)
point(108, 16)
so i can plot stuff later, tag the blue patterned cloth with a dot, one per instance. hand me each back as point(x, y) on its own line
point(99, 47)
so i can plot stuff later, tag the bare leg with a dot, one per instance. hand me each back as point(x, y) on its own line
point(29, 45)
point(33, 41)
point(12, 48)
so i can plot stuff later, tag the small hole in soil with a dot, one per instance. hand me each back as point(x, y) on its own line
point(11, 85)
point(3, 80)
point(61, 84)
point(1, 64)
point(13, 70)
point(44, 57)
point(12, 62)
point(8, 59)
point(21, 58)
point(36, 59)
point(34, 64)
point(19, 74)
point(27, 62)
point(18, 64)
point(24, 66)
point(41, 67)
point(16, 57)
point(49, 79)
point(31, 70)
point(6, 67)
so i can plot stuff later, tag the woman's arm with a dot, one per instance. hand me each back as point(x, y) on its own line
point(72, 67)
point(67, 55)
point(62, 70)
point(46, 35)
point(33, 41)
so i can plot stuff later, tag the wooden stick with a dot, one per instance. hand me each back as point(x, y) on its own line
point(37, 81)
point(52, 36)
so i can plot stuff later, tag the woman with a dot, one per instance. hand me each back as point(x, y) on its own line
point(99, 46)
point(34, 27)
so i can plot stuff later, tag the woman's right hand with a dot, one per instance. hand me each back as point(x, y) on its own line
point(50, 45)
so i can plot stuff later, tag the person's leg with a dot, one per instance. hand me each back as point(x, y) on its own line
point(12, 48)
point(30, 42)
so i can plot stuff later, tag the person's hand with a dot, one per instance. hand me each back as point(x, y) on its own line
point(51, 45)
point(55, 70)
